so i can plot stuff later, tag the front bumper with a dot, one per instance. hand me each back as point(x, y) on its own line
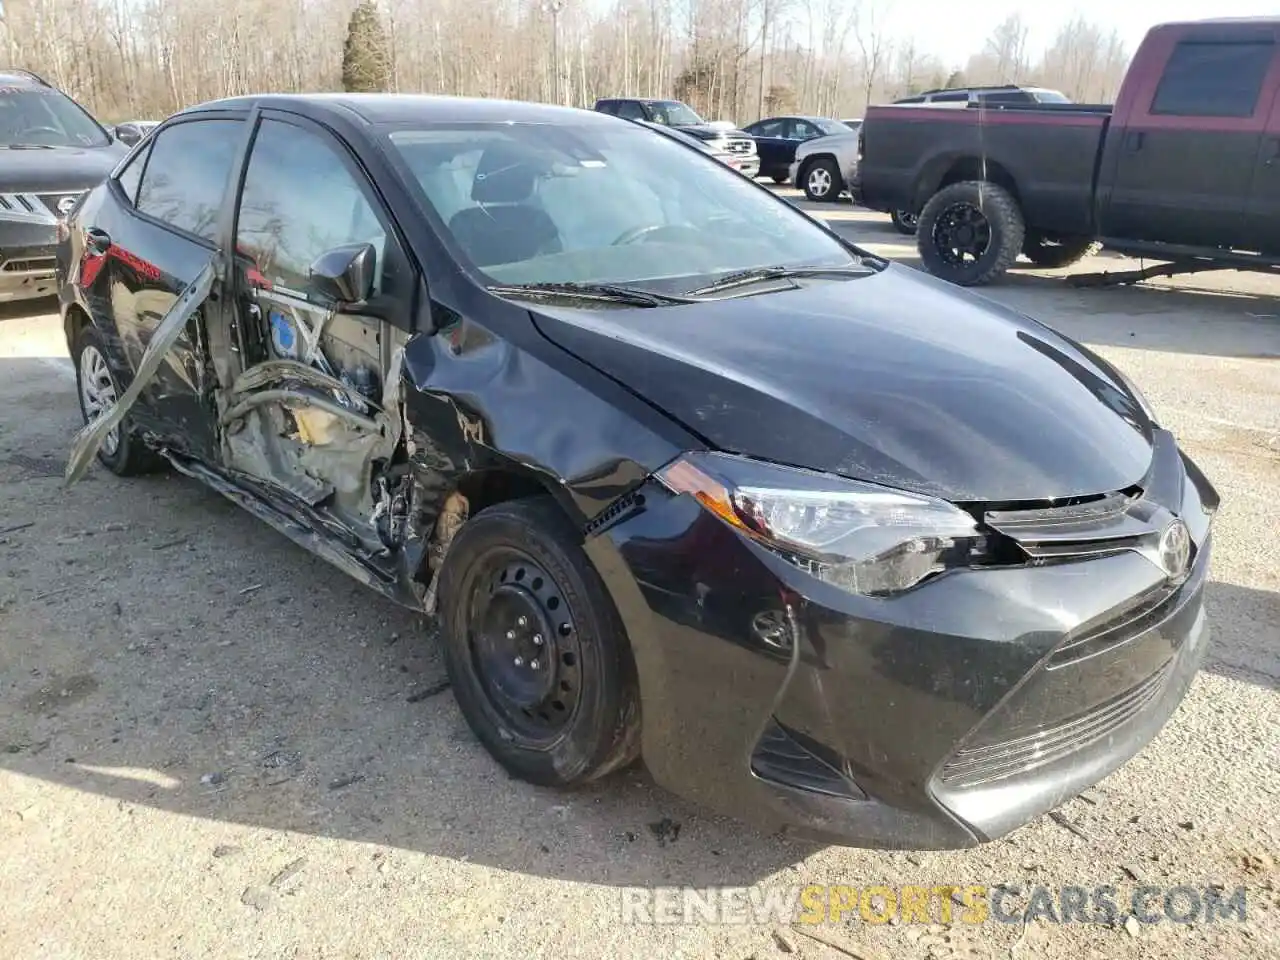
point(941, 718)
point(27, 256)
point(746, 164)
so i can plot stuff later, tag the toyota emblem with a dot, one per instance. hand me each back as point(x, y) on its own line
point(65, 205)
point(1175, 551)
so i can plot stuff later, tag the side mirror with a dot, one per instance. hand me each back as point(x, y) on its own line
point(126, 134)
point(345, 274)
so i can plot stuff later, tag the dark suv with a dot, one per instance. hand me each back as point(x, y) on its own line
point(53, 152)
point(682, 117)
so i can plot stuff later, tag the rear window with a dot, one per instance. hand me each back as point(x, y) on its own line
point(187, 171)
point(1213, 79)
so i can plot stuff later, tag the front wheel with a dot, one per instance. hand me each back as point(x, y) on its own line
point(536, 652)
point(970, 233)
point(904, 221)
point(822, 181)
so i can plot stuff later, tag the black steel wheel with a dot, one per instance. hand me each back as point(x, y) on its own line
point(537, 655)
point(970, 233)
point(524, 645)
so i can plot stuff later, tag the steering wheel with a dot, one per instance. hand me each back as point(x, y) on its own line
point(638, 233)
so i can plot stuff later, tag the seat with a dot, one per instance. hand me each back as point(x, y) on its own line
point(504, 227)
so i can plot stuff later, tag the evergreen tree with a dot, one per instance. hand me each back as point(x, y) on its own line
point(366, 55)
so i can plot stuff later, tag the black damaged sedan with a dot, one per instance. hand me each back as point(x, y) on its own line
point(832, 545)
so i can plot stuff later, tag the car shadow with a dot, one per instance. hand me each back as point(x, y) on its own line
point(164, 648)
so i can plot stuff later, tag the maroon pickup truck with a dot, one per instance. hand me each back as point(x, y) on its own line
point(1184, 168)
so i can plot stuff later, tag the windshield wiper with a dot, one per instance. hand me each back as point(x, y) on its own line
point(29, 146)
point(610, 292)
point(759, 274)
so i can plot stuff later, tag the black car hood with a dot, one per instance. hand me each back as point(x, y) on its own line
point(705, 131)
point(898, 378)
point(58, 169)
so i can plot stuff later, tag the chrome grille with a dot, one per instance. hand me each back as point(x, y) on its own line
point(996, 761)
point(51, 200)
point(740, 145)
point(30, 265)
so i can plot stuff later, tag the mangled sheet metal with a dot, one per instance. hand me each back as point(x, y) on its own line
point(87, 442)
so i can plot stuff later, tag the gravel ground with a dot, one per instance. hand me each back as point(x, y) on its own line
point(213, 744)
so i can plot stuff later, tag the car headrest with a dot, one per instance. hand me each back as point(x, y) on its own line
point(503, 176)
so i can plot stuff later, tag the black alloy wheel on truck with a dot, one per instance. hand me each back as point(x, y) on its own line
point(904, 221)
point(970, 233)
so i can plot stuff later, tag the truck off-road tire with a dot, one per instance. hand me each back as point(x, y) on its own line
point(904, 222)
point(821, 181)
point(970, 233)
point(1044, 252)
point(536, 653)
point(122, 452)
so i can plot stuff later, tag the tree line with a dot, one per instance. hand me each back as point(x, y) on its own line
point(731, 59)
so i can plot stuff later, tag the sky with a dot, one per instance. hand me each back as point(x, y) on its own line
point(954, 30)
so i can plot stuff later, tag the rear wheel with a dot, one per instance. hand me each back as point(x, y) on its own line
point(537, 655)
point(1059, 251)
point(121, 452)
point(970, 233)
point(904, 221)
point(779, 177)
point(821, 180)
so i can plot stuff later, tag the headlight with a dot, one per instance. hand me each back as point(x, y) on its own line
point(863, 538)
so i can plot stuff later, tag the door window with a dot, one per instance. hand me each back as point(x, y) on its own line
point(300, 200)
point(186, 175)
point(804, 130)
point(131, 175)
point(1213, 79)
point(630, 110)
point(769, 128)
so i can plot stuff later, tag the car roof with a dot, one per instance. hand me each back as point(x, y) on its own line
point(406, 107)
point(20, 78)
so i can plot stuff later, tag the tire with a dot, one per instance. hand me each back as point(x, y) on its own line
point(523, 561)
point(779, 178)
point(986, 210)
point(1044, 252)
point(821, 181)
point(904, 222)
point(127, 455)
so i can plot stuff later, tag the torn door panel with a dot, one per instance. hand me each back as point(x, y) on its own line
point(87, 442)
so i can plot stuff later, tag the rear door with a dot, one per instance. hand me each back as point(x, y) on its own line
point(1184, 156)
point(168, 203)
point(771, 144)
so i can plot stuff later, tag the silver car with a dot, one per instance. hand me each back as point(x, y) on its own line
point(824, 166)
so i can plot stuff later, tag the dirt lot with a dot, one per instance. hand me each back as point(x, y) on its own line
point(213, 744)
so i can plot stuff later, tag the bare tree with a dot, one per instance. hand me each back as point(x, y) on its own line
point(728, 58)
point(874, 45)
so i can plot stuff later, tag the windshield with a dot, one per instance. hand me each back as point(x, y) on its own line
point(43, 117)
point(1050, 96)
point(603, 203)
point(674, 114)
